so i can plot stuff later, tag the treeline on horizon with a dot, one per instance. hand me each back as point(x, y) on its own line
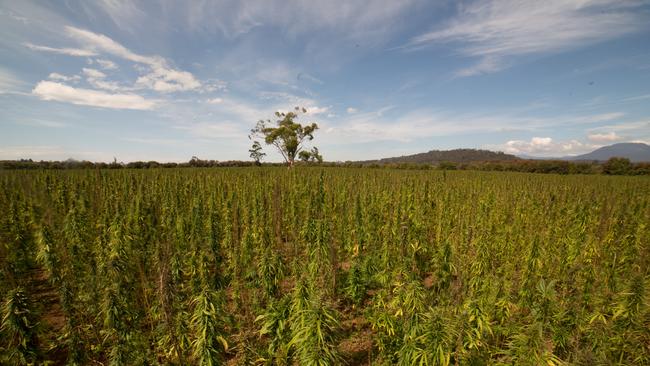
point(455, 155)
point(614, 166)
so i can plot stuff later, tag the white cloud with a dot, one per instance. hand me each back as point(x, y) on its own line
point(48, 90)
point(59, 77)
point(352, 110)
point(212, 85)
point(214, 101)
point(106, 64)
point(92, 73)
point(623, 131)
point(98, 80)
point(63, 51)
point(158, 74)
point(603, 137)
point(544, 146)
point(166, 80)
point(487, 65)
point(161, 77)
point(497, 30)
point(102, 43)
point(316, 110)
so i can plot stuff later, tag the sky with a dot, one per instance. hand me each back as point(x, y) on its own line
point(128, 80)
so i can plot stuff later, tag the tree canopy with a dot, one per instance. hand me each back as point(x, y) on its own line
point(287, 135)
point(256, 152)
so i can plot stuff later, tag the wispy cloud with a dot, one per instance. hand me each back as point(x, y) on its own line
point(161, 77)
point(214, 101)
point(382, 125)
point(637, 98)
point(47, 152)
point(308, 77)
point(62, 51)
point(49, 90)
point(496, 31)
point(101, 43)
point(316, 110)
point(98, 80)
point(123, 13)
point(634, 130)
point(41, 123)
point(156, 141)
point(487, 65)
point(544, 146)
point(355, 19)
point(9, 82)
point(216, 130)
point(628, 126)
point(59, 77)
point(93, 73)
point(284, 100)
point(604, 137)
point(158, 75)
point(106, 64)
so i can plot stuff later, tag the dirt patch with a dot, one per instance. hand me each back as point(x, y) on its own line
point(355, 324)
point(357, 349)
point(46, 299)
point(286, 285)
point(429, 281)
point(52, 319)
point(345, 265)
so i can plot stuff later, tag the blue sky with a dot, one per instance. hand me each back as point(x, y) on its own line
point(170, 80)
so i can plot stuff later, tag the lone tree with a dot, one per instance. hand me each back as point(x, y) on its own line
point(312, 156)
point(256, 153)
point(286, 135)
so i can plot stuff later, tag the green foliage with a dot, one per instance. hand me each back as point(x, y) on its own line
point(256, 152)
point(312, 333)
point(312, 156)
point(209, 343)
point(287, 136)
point(18, 328)
point(428, 340)
point(617, 166)
point(275, 325)
point(270, 271)
point(323, 266)
point(356, 286)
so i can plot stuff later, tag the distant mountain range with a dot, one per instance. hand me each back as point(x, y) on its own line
point(636, 152)
point(456, 156)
